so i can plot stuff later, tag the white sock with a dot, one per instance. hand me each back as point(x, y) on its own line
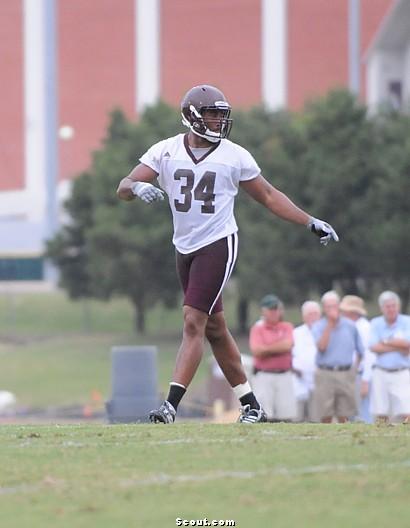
point(242, 389)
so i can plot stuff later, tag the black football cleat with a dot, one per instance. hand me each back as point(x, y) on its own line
point(251, 416)
point(165, 414)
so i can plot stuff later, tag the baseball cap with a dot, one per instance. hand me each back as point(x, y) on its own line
point(353, 303)
point(270, 301)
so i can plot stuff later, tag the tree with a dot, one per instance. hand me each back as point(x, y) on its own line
point(326, 160)
point(261, 266)
point(390, 252)
point(338, 169)
point(111, 247)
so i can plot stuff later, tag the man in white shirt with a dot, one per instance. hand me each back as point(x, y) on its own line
point(201, 173)
point(304, 361)
point(390, 341)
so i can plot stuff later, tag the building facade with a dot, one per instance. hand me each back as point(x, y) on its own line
point(67, 63)
point(388, 60)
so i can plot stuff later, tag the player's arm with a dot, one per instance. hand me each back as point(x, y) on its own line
point(274, 200)
point(279, 204)
point(138, 183)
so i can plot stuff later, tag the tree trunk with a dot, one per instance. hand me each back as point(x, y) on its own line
point(405, 298)
point(139, 316)
point(243, 314)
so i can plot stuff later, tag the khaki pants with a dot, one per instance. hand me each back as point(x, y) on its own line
point(335, 393)
point(275, 394)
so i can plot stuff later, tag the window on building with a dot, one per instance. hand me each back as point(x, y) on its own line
point(21, 269)
point(395, 94)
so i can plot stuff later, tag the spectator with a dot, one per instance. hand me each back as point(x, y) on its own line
point(353, 308)
point(304, 361)
point(271, 341)
point(337, 340)
point(390, 340)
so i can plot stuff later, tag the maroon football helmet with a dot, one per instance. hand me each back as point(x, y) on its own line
point(201, 98)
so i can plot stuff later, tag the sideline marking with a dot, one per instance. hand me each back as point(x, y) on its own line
point(165, 479)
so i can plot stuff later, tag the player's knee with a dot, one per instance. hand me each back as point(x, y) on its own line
point(193, 325)
point(215, 330)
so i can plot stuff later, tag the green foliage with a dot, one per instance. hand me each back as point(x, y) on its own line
point(331, 159)
point(111, 247)
point(342, 166)
point(68, 249)
point(389, 205)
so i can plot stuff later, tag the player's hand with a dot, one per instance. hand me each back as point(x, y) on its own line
point(147, 192)
point(323, 230)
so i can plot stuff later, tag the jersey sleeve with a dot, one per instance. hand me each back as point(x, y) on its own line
point(152, 158)
point(249, 169)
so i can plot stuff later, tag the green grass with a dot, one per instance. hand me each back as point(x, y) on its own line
point(260, 476)
point(55, 351)
point(65, 371)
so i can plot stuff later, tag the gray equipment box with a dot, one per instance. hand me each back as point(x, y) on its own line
point(134, 384)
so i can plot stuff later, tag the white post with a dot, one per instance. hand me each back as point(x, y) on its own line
point(374, 81)
point(354, 46)
point(147, 48)
point(40, 100)
point(274, 53)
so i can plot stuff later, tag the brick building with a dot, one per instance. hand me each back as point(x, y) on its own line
point(128, 53)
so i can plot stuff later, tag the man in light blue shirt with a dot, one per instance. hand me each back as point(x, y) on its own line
point(390, 341)
point(339, 343)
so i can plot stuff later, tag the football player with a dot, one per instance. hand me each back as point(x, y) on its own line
point(201, 172)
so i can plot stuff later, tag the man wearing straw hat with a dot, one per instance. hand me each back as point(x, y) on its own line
point(354, 309)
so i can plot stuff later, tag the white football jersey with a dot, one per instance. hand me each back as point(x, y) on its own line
point(202, 191)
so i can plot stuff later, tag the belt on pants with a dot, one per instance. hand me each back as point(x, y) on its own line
point(337, 368)
point(272, 371)
point(390, 370)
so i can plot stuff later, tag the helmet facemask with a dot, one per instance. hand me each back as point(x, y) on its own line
point(193, 119)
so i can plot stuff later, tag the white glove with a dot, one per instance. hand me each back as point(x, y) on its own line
point(323, 230)
point(147, 192)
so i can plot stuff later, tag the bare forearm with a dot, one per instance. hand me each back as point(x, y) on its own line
point(124, 191)
point(381, 348)
point(274, 200)
point(394, 344)
point(399, 343)
point(279, 204)
point(271, 350)
point(324, 339)
point(140, 173)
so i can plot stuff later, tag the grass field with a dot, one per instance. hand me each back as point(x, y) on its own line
point(277, 475)
point(57, 352)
